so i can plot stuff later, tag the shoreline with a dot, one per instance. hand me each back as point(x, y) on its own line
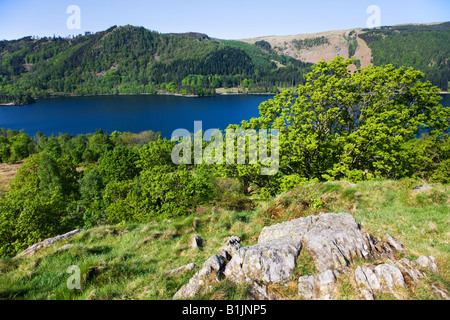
point(137, 94)
point(11, 104)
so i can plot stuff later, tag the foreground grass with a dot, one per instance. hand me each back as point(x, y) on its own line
point(131, 261)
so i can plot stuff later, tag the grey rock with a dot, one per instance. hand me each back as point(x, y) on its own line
point(258, 291)
point(440, 292)
point(397, 245)
point(423, 187)
point(48, 242)
point(407, 268)
point(366, 277)
point(321, 286)
point(427, 262)
point(289, 232)
point(385, 277)
point(232, 245)
point(334, 240)
point(272, 262)
point(196, 242)
point(389, 276)
point(182, 269)
point(211, 271)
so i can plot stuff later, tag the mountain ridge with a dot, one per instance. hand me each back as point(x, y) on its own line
point(135, 60)
point(340, 42)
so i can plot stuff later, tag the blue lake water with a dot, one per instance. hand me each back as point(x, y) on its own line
point(75, 115)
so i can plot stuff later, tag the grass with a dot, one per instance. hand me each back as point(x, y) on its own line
point(131, 261)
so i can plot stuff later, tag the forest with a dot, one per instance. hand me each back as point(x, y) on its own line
point(374, 123)
point(309, 43)
point(423, 47)
point(132, 60)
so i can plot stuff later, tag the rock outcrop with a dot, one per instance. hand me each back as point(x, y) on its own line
point(48, 242)
point(321, 286)
point(211, 271)
point(338, 247)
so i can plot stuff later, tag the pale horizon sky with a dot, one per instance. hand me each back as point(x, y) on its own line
point(232, 19)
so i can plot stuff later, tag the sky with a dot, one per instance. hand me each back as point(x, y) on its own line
point(226, 19)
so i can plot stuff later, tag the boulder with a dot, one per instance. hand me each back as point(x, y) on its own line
point(333, 240)
point(232, 245)
point(196, 242)
point(397, 245)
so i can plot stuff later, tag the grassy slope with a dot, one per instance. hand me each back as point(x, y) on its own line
point(130, 261)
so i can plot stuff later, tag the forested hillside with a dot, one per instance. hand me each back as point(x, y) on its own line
point(131, 60)
point(423, 47)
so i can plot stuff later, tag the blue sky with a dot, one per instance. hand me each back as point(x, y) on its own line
point(231, 19)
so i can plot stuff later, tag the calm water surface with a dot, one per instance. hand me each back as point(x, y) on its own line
point(77, 115)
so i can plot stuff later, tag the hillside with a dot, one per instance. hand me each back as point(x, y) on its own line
point(133, 261)
point(423, 47)
point(133, 60)
point(129, 60)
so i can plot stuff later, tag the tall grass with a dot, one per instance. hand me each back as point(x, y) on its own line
point(131, 261)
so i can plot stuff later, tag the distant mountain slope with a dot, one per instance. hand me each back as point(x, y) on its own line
point(312, 48)
point(132, 59)
point(423, 47)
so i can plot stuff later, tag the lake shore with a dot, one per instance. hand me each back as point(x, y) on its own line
point(220, 93)
point(143, 94)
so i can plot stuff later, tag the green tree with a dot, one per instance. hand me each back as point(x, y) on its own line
point(98, 144)
point(119, 164)
point(353, 125)
point(91, 205)
point(21, 147)
point(5, 152)
point(35, 207)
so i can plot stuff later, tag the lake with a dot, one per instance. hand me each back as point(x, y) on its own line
point(76, 115)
